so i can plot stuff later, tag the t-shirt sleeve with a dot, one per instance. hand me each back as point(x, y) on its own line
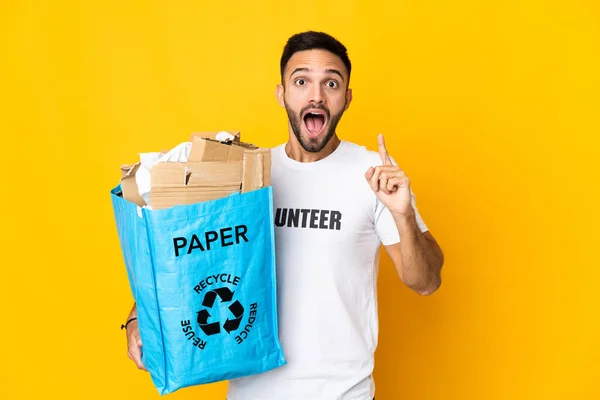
point(385, 226)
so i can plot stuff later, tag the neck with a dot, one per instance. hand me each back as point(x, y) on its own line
point(296, 152)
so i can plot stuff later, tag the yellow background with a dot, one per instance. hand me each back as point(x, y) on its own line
point(492, 108)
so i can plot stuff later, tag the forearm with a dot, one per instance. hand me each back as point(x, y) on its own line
point(133, 313)
point(421, 260)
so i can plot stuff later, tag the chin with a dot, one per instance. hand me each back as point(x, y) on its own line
point(315, 144)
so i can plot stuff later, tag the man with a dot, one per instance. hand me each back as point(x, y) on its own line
point(335, 203)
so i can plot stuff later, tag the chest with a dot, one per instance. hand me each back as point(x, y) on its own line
point(326, 207)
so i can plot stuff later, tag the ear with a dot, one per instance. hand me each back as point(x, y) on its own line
point(279, 92)
point(348, 98)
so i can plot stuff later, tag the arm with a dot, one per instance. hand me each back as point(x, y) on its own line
point(134, 342)
point(417, 257)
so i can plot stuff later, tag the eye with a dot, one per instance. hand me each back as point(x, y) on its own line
point(300, 82)
point(332, 84)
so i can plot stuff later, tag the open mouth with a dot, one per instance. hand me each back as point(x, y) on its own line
point(315, 120)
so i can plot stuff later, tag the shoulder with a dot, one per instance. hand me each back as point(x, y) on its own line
point(359, 155)
point(276, 153)
point(279, 147)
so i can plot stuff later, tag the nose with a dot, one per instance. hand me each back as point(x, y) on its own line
point(316, 94)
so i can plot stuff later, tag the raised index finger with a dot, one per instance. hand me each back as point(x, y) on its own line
point(385, 158)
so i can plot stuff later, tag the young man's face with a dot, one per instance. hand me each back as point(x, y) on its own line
point(315, 95)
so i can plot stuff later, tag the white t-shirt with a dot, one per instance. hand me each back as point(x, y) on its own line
point(328, 230)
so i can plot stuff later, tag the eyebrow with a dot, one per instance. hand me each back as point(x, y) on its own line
point(330, 71)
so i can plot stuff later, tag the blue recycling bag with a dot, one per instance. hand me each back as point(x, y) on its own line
point(203, 278)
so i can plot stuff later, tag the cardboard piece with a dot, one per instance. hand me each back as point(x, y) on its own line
point(256, 169)
point(129, 187)
point(212, 150)
point(213, 135)
point(193, 182)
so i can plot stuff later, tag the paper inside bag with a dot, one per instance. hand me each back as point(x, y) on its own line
point(201, 170)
